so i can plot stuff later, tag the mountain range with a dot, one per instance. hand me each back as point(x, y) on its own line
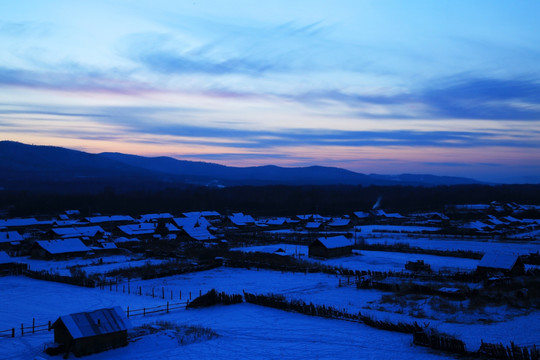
point(27, 167)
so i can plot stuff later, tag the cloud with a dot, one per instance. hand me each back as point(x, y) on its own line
point(458, 97)
point(78, 81)
point(485, 98)
point(24, 28)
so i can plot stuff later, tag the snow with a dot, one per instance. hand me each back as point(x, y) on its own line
point(446, 243)
point(373, 260)
point(369, 229)
point(63, 246)
point(496, 260)
point(90, 266)
point(336, 242)
point(10, 236)
point(245, 330)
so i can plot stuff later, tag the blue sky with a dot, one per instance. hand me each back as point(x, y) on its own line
point(441, 87)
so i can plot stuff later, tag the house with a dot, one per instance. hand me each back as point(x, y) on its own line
point(195, 227)
point(331, 247)
point(91, 332)
point(143, 230)
point(9, 239)
point(339, 223)
point(507, 264)
point(241, 220)
point(88, 232)
point(59, 248)
point(155, 217)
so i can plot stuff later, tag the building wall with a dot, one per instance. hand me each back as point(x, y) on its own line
point(318, 250)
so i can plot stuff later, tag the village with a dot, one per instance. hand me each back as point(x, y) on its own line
point(460, 281)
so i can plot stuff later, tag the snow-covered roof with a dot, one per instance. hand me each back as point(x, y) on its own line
point(382, 213)
point(339, 222)
point(113, 218)
point(495, 221)
point(240, 219)
point(63, 246)
point(498, 260)
point(478, 225)
point(210, 213)
point(192, 221)
point(153, 217)
point(199, 233)
point(138, 229)
point(313, 225)
point(78, 231)
point(361, 214)
point(473, 206)
point(10, 236)
point(19, 222)
point(94, 323)
point(65, 222)
point(202, 213)
point(109, 245)
point(336, 242)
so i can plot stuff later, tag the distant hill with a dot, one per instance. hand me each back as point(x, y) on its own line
point(54, 168)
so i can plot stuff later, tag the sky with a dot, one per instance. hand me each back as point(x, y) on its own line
point(418, 86)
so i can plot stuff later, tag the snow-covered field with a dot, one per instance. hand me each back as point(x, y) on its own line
point(90, 266)
point(372, 260)
point(457, 244)
point(245, 331)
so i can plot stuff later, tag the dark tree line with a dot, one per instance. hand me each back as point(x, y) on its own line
point(264, 200)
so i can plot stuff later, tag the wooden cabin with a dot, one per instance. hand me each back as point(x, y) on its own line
point(91, 332)
point(331, 247)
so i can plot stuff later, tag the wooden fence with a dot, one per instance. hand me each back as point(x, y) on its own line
point(24, 330)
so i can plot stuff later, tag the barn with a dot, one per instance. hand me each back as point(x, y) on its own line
point(501, 263)
point(91, 332)
point(331, 247)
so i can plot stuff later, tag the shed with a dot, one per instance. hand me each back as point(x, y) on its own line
point(87, 333)
point(501, 263)
point(331, 247)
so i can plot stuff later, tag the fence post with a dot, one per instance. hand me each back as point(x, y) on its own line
point(12, 332)
point(140, 290)
point(22, 329)
point(128, 312)
point(171, 294)
point(33, 325)
point(180, 294)
point(152, 292)
point(49, 327)
point(167, 307)
point(200, 292)
point(144, 311)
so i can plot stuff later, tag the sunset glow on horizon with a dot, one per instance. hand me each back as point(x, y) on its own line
point(388, 87)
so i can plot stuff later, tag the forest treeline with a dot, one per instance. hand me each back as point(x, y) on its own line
point(264, 200)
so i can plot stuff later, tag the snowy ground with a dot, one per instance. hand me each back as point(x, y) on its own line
point(323, 289)
point(246, 331)
point(372, 260)
point(457, 244)
point(98, 265)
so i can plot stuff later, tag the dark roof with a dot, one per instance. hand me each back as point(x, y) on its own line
point(98, 322)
